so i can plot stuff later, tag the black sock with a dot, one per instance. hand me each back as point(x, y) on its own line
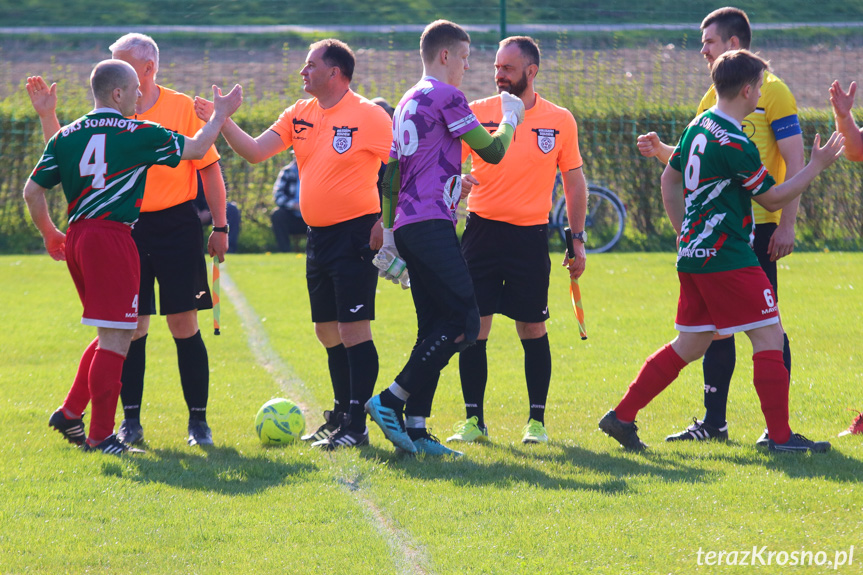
point(718, 366)
point(786, 355)
point(194, 374)
point(340, 375)
point(388, 399)
point(473, 368)
point(417, 433)
point(132, 391)
point(363, 361)
point(537, 373)
point(420, 403)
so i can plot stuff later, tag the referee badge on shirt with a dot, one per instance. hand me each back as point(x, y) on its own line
point(343, 138)
point(545, 139)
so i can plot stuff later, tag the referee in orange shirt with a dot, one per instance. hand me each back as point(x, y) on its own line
point(168, 235)
point(340, 140)
point(505, 242)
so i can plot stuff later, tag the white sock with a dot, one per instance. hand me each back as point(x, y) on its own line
point(399, 391)
point(415, 422)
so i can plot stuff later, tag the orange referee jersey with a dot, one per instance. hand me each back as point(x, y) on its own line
point(339, 153)
point(518, 190)
point(166, 187)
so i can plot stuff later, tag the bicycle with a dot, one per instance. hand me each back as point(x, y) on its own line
point(606, 217)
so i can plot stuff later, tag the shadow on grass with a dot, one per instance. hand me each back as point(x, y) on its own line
point(832, 466)
point(221, 470)
point(472, 472)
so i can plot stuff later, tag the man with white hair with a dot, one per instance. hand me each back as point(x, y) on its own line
point(169, 239)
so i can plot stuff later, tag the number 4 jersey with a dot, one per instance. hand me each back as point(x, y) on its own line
point(722, 172)
point(102, 159)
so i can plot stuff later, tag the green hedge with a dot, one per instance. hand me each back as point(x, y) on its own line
point(830, 217)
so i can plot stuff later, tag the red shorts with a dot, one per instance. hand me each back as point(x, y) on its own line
point(726, 302)
point(103, 261)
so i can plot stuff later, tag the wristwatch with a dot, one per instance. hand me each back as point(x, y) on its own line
point(224, 229)
point(580, 236)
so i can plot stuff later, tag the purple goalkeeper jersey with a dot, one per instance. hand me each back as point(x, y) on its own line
point(428, 124)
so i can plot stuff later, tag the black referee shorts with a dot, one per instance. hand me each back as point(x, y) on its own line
point(440, 283)
point(340, 275)
point(171, 247)
point(763, 232)
point(510, 268)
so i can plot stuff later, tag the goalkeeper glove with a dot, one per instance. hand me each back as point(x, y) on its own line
point(390, 265)
point(512, 108)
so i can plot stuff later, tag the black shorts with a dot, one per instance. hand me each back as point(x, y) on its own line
point(171, 247)
point(763, 232)
point(510, 268)
point(340, 275)
point(440, 282)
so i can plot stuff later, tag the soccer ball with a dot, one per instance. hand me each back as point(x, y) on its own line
point(279, 421)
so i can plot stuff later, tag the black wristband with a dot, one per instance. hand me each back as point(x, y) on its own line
point(224, 229)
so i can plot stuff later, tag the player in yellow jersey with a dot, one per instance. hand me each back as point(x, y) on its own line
point(775, 130)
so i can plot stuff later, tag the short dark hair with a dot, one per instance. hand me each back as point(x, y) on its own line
point(730, 22)
point(109, 75)
point(439, 35)
point(337, 54)
point(526, 44)
point(735, 69)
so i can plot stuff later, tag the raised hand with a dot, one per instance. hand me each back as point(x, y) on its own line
point(512, 108)
point(227, 104)
point(832, 150)
point(43, 98)
point(203, 108)
point(648, 144)
point(842, 101)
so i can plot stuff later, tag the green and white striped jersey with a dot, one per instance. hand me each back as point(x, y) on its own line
point(102, 159)
point(722, 171)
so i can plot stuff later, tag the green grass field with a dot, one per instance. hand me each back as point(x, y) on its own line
point(577, 505)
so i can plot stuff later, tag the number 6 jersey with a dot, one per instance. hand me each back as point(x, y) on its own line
point(722, 171)
point(102, 159)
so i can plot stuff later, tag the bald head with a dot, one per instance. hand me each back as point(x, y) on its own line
point(107, 76)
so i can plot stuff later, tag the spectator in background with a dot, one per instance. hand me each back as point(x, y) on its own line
point(287, 219)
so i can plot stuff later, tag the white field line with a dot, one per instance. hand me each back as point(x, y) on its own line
point(409, 556)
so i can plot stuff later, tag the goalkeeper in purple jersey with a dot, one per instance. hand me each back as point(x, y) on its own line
point(421, 190)
point(102, 160)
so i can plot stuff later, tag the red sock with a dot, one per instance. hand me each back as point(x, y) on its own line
point(656, 374)
point(771, 384)
point(105, 372)
point(79, 396)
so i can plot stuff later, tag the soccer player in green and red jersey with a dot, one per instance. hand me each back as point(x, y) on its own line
point(101, 159)
point(711, 177)
point(775, 130)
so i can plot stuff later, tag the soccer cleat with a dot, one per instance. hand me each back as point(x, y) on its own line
point(856, 426)
point(700, 431)
point(625, 433)
point(391, 423)
point(331, 424)
point(72, 429)
point(199, 433)
point(344, 437)
point(799, 443)
point(469, 431)
point(764, 440)
point(112, 446)
point(534, 432)
point(431, 445)
point(130, 431)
